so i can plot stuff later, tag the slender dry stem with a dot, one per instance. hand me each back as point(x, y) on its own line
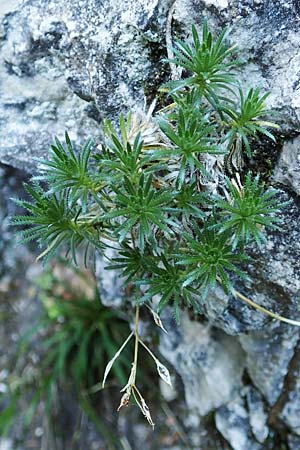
point(136, 343)
point(262, 309)
point(266, 311)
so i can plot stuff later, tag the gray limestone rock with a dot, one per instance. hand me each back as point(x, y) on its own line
point(290, 413)
point(257, 414)
point(287, 171)
point(110, 282)
point(66, 65)
point(293, 442)
point(193, 349)
point(11, 255)
point(231, 314)
point(36, 103)
point(269, 353)
point(233, 423)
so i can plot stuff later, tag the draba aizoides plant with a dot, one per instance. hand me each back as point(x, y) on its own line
point(165, 191)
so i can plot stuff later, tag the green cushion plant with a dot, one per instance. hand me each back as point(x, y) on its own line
point(167, 192)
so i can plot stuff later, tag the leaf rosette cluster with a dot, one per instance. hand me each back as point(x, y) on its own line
point(164, 197)
point(148, 190)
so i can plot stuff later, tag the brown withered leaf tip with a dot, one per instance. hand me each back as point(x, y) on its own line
point(124, 401)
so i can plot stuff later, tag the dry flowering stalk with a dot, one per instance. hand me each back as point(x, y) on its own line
point(130, 389)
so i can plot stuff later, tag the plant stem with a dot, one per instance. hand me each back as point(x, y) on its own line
point(132, 238)
point(266, 311)
point(135, 389)
point(136, 343)
point(262, 309)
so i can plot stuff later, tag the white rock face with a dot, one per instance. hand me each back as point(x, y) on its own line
point(287, 170)
point(66, 65)
point(232, 421)
point(220, 4)
point(291, 411)
point(269, 354)
point(8, 6)
point(210, 364)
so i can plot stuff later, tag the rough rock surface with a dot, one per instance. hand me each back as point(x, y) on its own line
point(269, 353)
point(287, 171)
point(290, 413)
point(267, 33)
point(193, 349)
point(66, 65)
point(293, 442)
point(232, 420)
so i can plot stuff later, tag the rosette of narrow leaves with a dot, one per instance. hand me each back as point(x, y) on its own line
point(208, 258)
point(130, 261)
point(189, 200)
point(67, 169)
point(249, 210)
point(166, 280)
point(192, 137)
point(247, 118)
point(208, 60)
point(189, 101)
point(55, 221)
point(139, 209)
point(126, 159)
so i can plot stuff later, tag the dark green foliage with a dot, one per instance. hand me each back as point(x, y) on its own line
point(188, 200)
point(54, 220)
point(192, 137)
point(84, 340)
point(249, 210)
point(167, 281)
point(208, 258)
point(208, 60)
point(155, 189)
point(212, 62)
point(130, 261)
point(65, 169)
point(141, 205)
point(247, 118)
point(127, 159)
